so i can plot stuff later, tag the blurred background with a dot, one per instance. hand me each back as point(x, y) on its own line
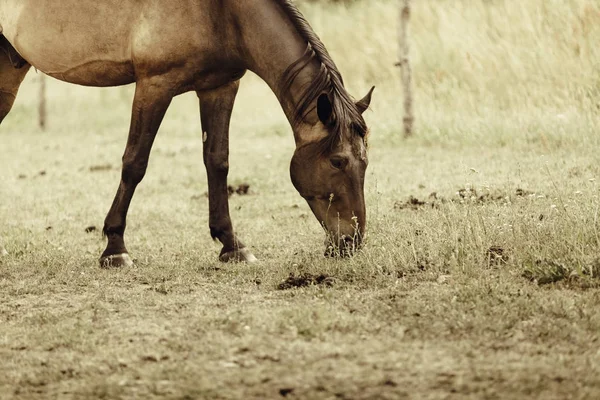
point(498, 71)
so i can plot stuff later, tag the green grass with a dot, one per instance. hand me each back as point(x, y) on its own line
point(488, 290)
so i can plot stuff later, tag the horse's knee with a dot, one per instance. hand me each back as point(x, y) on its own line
point(133, 171)
point(217, 162)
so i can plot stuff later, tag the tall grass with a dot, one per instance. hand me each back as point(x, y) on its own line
point(500, 70)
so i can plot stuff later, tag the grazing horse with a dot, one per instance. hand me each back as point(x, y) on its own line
point(171, 47)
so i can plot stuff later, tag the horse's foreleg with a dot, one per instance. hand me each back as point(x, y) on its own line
point(215, 113)
point(152, 98)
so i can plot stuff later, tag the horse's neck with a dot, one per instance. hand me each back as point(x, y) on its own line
point(272, 44)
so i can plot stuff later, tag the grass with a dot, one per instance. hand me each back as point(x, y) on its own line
point(488, 289)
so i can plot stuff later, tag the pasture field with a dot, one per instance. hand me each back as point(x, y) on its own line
point(481, 271)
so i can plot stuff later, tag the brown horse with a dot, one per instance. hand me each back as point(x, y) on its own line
point(171, 47)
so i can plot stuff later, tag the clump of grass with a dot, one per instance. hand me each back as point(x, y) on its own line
point(544, 272)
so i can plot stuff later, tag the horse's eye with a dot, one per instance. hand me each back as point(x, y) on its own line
point(338, 162)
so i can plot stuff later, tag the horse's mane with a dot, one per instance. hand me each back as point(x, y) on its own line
point(345, 114)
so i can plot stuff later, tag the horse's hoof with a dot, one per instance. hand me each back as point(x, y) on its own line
point(239, 255)
point(116, 261)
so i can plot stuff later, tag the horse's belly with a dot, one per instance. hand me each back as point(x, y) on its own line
point(75, 41)
point(95, 73)
point(97, 70)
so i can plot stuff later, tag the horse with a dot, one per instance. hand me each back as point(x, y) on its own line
point(167, 48)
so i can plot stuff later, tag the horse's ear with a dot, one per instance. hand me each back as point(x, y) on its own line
point(364, 103)
point(324, 109)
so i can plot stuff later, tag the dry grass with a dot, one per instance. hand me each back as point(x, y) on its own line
point(487, 290)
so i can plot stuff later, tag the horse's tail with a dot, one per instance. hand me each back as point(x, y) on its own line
point(13, 69)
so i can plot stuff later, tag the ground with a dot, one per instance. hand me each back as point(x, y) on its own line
point(479, 278)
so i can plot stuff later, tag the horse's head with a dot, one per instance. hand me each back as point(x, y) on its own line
point(328, 170)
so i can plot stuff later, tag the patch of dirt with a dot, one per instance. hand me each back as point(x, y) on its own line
point(103, 167)
point(284, 392)
point(304, 280)
point(411, 204)
point(523, 193)
point(241, 189)
point(462, 196)
point(389, 382)
point(152, 358)
point(470, 194)
point(497, 255)
point(424, 263)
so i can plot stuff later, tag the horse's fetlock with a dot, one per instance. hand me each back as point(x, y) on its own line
point(109, 231)
point(220, 232)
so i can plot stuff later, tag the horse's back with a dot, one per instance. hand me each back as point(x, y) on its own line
point(79, 41)
point(114, 42)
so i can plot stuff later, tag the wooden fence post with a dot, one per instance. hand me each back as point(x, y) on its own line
point(42, 112)
point(405, 68)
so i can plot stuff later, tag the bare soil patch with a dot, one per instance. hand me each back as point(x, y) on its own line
point(241, 189)
point(462, 196)
point(497, 255)
point(100, 167)
point(305, 279)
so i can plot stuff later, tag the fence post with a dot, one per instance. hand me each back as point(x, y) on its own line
point(405, 68)
point(42, 112)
